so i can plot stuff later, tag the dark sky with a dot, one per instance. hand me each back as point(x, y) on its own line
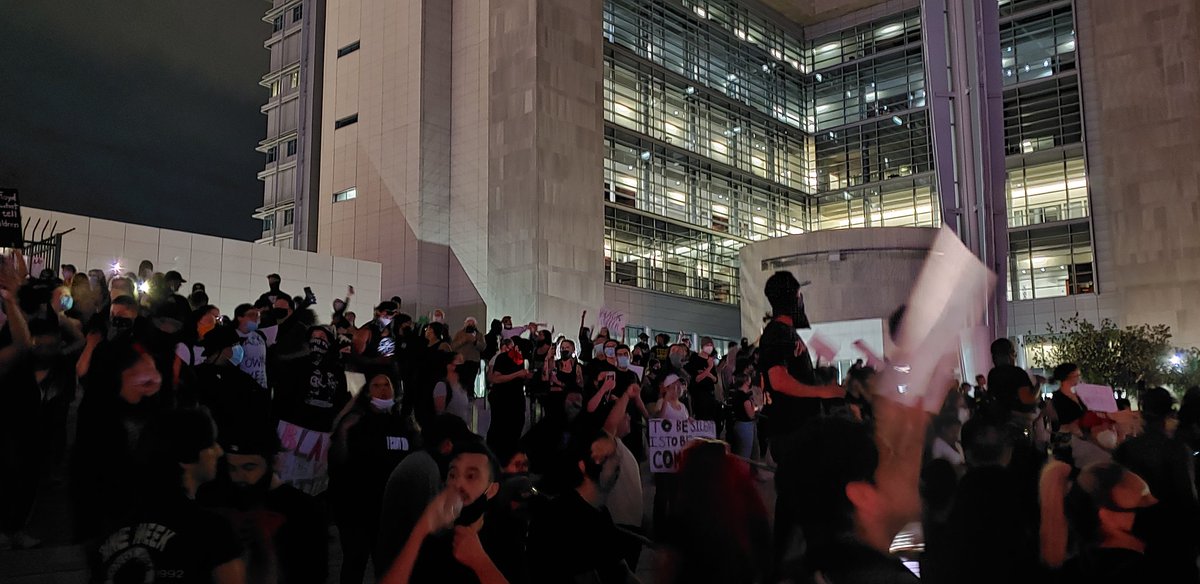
point(144, 111)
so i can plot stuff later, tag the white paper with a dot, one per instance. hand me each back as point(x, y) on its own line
point(950, 295)
point(822, 348)
point(512, 332)
point(613, 320)
point(1097, 398)
point(637, 370)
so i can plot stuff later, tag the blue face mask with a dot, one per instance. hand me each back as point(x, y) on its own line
point(623, 361)
point(251, 326)
point(610, 352)
point(239, 353)
point(66, 302)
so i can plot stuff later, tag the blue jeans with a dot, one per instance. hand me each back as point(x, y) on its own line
point(741, 438)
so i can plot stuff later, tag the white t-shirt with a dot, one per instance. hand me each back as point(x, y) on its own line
point(947, 451)
point(670, 412)
point(456, 401)
point(253, 343)
point(624, 502)
point(189, 355)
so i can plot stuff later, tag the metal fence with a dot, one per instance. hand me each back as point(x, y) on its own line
point(43, 245)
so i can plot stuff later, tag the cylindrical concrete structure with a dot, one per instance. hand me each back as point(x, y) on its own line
point(856, 274)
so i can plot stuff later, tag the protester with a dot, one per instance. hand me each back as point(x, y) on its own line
point(719, 528)
point(414, 483)
point(946, 444)
point(451, 542)
point(574, 539)
point(168, 535)
point(273, 293)
point(121, 398)
point(507, 397)
point(1068, 407)
point(232, 395)
point(311, 392)
point(282, 530)
point(449, 395)
point(744, 412)
point(371, 439)
point(471, 344)
point(1167, 465)
point(376, 343)
point(19, 452)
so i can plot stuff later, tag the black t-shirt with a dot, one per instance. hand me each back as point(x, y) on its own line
point(1066, 409)
point(854, 563)
point(787, 413)
point(178, 541)
point(311, 394)
point(737, 402)
point(1003, 384)
point(436, 563)
point(1108, 566)
point(505, 365)
point(569, 537)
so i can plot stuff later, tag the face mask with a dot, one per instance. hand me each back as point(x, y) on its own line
point(610, 352)
point(382, 405)
point(384, 320)
point(507, 326)
point(565, 355)
point(471, 513)
point(279, 313)
point(318, 347)
point(1107, 439)
point(471, 329)
point(239, 353)
point(707, 349)
point(677, 361)
point(1143, 523)
point(66, 302)
point(251, 326)
point(339, 306)
point(623, 361)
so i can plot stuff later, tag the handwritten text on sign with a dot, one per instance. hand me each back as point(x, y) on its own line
point(613, 320)
point(10, 219)
point(669, 437)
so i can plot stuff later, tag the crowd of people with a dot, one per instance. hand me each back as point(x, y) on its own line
point(215, 448)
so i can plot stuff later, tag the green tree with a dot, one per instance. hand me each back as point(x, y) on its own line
point(1108, 354)
point(1183, 369)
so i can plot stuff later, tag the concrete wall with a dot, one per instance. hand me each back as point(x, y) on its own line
point(856, 273)
point(233, 271)
point(1141, 82)
point(666, 312)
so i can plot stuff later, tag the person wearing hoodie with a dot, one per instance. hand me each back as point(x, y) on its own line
point(310, 390)
point(369, 441)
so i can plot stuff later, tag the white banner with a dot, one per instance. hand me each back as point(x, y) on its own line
point(669, 437)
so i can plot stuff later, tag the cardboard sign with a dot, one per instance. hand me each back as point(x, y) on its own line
point(1097, 398)
point(669, 437)
point(10, 219)
point(614, 320)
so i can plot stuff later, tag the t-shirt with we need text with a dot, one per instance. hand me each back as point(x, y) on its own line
point(176, 542)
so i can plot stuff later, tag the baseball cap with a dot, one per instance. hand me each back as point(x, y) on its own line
point(668, 380)
point(174, 276)
point(250, 440)
point(388, 306)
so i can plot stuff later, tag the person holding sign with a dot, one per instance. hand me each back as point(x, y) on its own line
point(789, 379)
point(1068, 407)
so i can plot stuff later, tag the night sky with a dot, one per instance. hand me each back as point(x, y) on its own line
point(145, 111)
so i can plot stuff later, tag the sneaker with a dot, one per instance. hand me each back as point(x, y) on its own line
point(23, 541)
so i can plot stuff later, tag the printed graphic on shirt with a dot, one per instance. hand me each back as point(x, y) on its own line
point(128, 555)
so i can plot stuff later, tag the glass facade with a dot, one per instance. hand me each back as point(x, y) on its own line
point(725, 127)
point(1050, 242)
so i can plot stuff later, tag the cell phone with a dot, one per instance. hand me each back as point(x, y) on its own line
point(309, 296)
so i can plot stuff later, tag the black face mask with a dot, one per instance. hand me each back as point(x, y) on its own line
point(245, 498)
point(1144, 524)
point(565, 355)
point(279, 313)
point(318, 348)
point(471, 329)
point(119, 325)
point(471, 513)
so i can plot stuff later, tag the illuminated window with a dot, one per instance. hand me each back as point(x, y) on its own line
point(346, 195)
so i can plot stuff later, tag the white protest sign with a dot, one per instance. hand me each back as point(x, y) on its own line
point(822, 348)
point(637, 371)
point(613, 320)
point(669, 437)
point(1097, 398)
point(512, 332)
point(951, 294)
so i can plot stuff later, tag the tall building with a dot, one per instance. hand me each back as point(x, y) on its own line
point(542, 157)
point(293, 110)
